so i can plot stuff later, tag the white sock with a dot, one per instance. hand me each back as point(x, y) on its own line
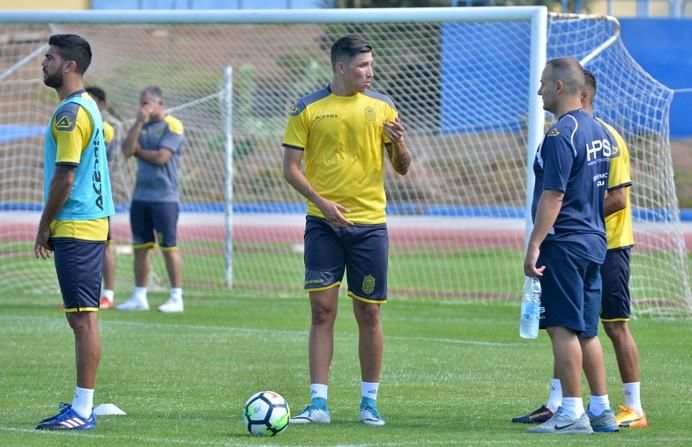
point(555, 396)
point(572, 407)
point(632, 397)
point(109, 294)
point(140, 294)
point(318, 390)
point(176, 294)
point(369, 389)
point(83, 403)
point(598, 404)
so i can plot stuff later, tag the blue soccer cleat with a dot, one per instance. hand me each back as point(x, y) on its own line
point(67, 419)
point(369, 414)
point(315, 413)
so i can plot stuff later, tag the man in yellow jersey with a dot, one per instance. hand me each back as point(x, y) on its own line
point(615, 304)
point(343, 131)
point(615, 299)
point(108, 292)
point(74, 222)
point(156, 139)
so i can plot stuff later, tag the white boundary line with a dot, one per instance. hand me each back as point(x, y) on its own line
point(250, 331)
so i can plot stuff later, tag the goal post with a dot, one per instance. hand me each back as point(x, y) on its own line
point(464, 80)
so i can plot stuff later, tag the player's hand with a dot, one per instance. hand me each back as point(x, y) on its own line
point(530, 260)
point(41, 248)
point(144, 112)
point(332, 212)
point(394, 130)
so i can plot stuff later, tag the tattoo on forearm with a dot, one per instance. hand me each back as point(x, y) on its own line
point(400, 161)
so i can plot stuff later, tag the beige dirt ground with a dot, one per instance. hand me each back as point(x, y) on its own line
point(682, 168)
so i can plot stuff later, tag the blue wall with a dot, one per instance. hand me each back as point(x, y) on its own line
point(468, 102)
point(663, 47)
point(203, 4)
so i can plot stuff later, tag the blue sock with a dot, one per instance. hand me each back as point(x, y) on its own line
point(318, 402)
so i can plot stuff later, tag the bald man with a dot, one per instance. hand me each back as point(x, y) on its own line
point(568, 245)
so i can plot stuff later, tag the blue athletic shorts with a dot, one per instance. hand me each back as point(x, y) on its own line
point(615, 271)
point(571, 290)
point(78, 265)
point(153, 222)
point(360, 250)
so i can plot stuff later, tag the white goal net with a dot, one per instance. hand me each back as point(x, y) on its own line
point(463, 86)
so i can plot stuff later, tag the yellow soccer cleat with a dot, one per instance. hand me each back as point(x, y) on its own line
point(628, 418)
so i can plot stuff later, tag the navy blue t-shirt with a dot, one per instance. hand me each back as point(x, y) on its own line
point(574, 158)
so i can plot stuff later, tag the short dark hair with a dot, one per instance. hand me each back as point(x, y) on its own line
point(569, 71)
point(72, 47)
point(153, 91)
point(97, 93)
point(347, 47)
point(590, 81)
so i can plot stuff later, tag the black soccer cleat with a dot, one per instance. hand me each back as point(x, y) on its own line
point(538, 416)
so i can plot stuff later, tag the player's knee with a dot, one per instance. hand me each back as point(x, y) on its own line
point(82, 322)
point(615, 330)
point(368, 315)
point(323, 314)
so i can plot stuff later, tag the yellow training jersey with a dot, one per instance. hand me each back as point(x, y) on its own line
point(343, 142)
point(108, 132)
point(619, 224)
point(71, 129)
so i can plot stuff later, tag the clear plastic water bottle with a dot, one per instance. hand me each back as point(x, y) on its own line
point(530, 308)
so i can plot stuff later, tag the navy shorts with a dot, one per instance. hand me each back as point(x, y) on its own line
point(571, 290)
point(615, 271)
point(78, 265)
point(360, 250)
point(153, 222)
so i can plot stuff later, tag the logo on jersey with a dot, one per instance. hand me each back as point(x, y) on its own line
point(96, 181)
point(553, 133)
point(368, 284)
point(598, 149)
point(64, 123)
point(370, 115)
point(326, 115)
point(294, 110)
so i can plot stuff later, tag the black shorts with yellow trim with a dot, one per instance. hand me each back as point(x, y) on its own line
point(615, 272)
point(78, 264)
point(360, 250)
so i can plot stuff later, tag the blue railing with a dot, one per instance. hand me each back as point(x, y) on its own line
point(405, 209)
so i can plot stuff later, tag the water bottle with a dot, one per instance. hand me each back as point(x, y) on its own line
point(530, 308)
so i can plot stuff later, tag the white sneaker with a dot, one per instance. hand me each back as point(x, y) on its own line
point(369, 414)
point(312, 415)
point(561, 424)
point(133, 303)
point(171, 306)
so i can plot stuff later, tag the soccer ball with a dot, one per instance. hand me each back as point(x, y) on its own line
point(266, 414)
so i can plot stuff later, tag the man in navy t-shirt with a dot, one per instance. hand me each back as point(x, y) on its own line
point(568, 241)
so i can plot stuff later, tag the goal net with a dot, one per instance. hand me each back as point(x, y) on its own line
point(466, 91)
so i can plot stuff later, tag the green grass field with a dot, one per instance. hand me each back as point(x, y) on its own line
point(454, 374)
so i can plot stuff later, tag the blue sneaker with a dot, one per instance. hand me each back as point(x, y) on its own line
point(315, 413)
point(67, 419)
point(368, 412)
